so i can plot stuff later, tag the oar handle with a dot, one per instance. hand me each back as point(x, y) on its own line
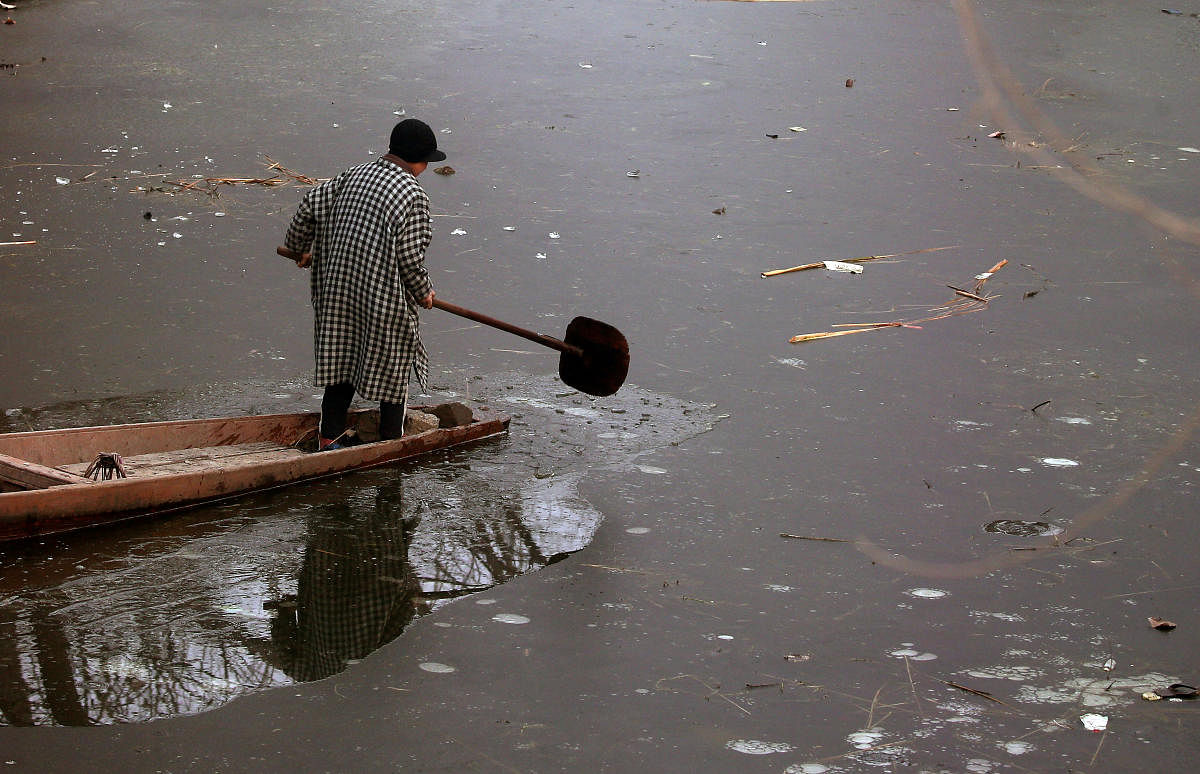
point(303, 259)
point(539, 338)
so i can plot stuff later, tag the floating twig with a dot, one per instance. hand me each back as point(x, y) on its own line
point(12, 244)
point(974, 692)
point(299, 178)
point(968, 294)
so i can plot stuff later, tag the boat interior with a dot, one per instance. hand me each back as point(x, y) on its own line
point(41, 459)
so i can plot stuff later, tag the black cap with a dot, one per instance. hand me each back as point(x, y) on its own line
point(413, 141)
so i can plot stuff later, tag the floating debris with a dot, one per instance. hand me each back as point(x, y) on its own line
point(864, 259)
point(1021, 528)
point(843, 266)
point(210, 185)
point(818, 539)
point(1058, 462)
point(954, 308)
point(1094, 722)
point(1176, 691)
point(973, 691)
point(1161, 624)
point(445, 171)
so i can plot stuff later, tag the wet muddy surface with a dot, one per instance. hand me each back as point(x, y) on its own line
point(934, 546)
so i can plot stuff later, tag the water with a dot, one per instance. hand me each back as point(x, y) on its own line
point(905, 443)
point(183, 614)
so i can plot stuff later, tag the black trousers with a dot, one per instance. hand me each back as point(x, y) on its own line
point(336, 402)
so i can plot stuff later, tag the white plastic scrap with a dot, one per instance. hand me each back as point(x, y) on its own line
point(1094, 722)
point(850, 268)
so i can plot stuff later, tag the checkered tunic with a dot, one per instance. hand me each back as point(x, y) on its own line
point(367, 230)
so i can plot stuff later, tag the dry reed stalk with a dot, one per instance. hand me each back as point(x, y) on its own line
point(819, 539)
point(864, 259)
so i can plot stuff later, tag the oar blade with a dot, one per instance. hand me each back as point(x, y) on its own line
point(605, 361)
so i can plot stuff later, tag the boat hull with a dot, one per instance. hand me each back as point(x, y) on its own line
point(61, 507)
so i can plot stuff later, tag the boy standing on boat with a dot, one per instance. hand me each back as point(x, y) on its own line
point(367, 231)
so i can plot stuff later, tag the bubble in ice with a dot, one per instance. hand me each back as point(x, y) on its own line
point(436, 668)
point(756, 747)
point(1017, 673)
point(638, 530)
point(806, 768)
point(865, 738)
point(1017, 747)
point(921, 593)
point(510, 618)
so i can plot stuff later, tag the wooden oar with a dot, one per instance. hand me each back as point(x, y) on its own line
point(595, 355)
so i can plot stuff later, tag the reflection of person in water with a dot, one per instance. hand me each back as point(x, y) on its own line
point(356, 589)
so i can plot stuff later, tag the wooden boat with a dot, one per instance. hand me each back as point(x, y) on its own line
point(57, 480)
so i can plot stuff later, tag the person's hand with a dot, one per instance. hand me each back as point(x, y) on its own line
point(427, 301)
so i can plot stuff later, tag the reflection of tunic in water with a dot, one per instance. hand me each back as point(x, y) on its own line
point(355, 592)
